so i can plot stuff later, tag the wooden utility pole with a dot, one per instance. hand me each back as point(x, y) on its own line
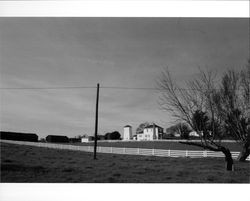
point(96, 121)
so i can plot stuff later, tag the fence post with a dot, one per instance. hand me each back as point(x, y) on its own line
point(169, 153)
point(138, 151)
point(153, 152)
point(205, 153)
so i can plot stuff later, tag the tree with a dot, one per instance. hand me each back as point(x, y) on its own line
point(42, 140)
point(245, 103)
point(182, 128)
point(171, 130)
point(141, 127)
point(203, 126)
point(237, 127)
point(113, 136)
point(232, 108)
point(196, 107)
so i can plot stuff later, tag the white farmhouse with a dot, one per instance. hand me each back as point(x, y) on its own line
point(127, 132)
point(151, 132)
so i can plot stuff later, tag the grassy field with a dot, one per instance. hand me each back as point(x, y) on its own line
point(34, 164)
point(233, 146)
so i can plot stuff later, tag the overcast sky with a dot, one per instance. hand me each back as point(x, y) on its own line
point(126, 52)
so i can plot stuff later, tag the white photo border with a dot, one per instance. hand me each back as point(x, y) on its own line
point(124, 192)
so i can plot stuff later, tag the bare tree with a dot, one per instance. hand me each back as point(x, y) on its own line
point(193, 106)
point(173, 99)
point(245, 85)
point(234, 107)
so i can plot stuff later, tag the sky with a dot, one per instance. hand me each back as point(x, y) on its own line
point(119, 52)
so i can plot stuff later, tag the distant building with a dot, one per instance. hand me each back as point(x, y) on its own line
point(151, 132)
point(127, 132)
point(193, 134)
point(30, 137)
point(135, 137)
point(57, 138)
point(177, 134)
point(74, 140)
point(85, 139)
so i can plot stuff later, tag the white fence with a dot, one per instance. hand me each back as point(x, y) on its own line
point(160, 140)
point(129, 151)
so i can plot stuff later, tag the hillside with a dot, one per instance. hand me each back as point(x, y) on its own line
point(32, 164)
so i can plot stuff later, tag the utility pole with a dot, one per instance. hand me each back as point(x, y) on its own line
point(96, 121)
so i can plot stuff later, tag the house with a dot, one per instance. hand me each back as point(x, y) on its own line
point(127, 132)
point(193, 134)
point(151, 132)
point(85, 139)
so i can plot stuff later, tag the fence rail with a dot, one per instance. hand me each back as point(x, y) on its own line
point(129, 151)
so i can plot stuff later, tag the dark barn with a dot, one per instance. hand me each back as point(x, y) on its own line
point(30, 137)
point(57, 138)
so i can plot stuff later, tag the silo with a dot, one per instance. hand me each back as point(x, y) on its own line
point(127, 132)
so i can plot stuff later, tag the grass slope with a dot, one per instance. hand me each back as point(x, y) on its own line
point(33, 164)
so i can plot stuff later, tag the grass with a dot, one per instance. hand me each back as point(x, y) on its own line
point(33, 164)
point(233, 146)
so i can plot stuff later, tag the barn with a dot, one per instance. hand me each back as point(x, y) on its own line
point(57, 138)
point(30, 137)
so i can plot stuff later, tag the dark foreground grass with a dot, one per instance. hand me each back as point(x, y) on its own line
point(33, 164)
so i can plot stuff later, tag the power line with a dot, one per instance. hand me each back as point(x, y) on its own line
point(77, 87)
point(83, 87)
point(130, 88)
point(38, 88)
point(91, 87)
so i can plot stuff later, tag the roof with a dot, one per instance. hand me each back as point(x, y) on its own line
point(151, 126)
point(57, 136)
point(127, 126)
point(20, 133)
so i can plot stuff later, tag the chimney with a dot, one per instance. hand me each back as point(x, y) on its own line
point(154, 136)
